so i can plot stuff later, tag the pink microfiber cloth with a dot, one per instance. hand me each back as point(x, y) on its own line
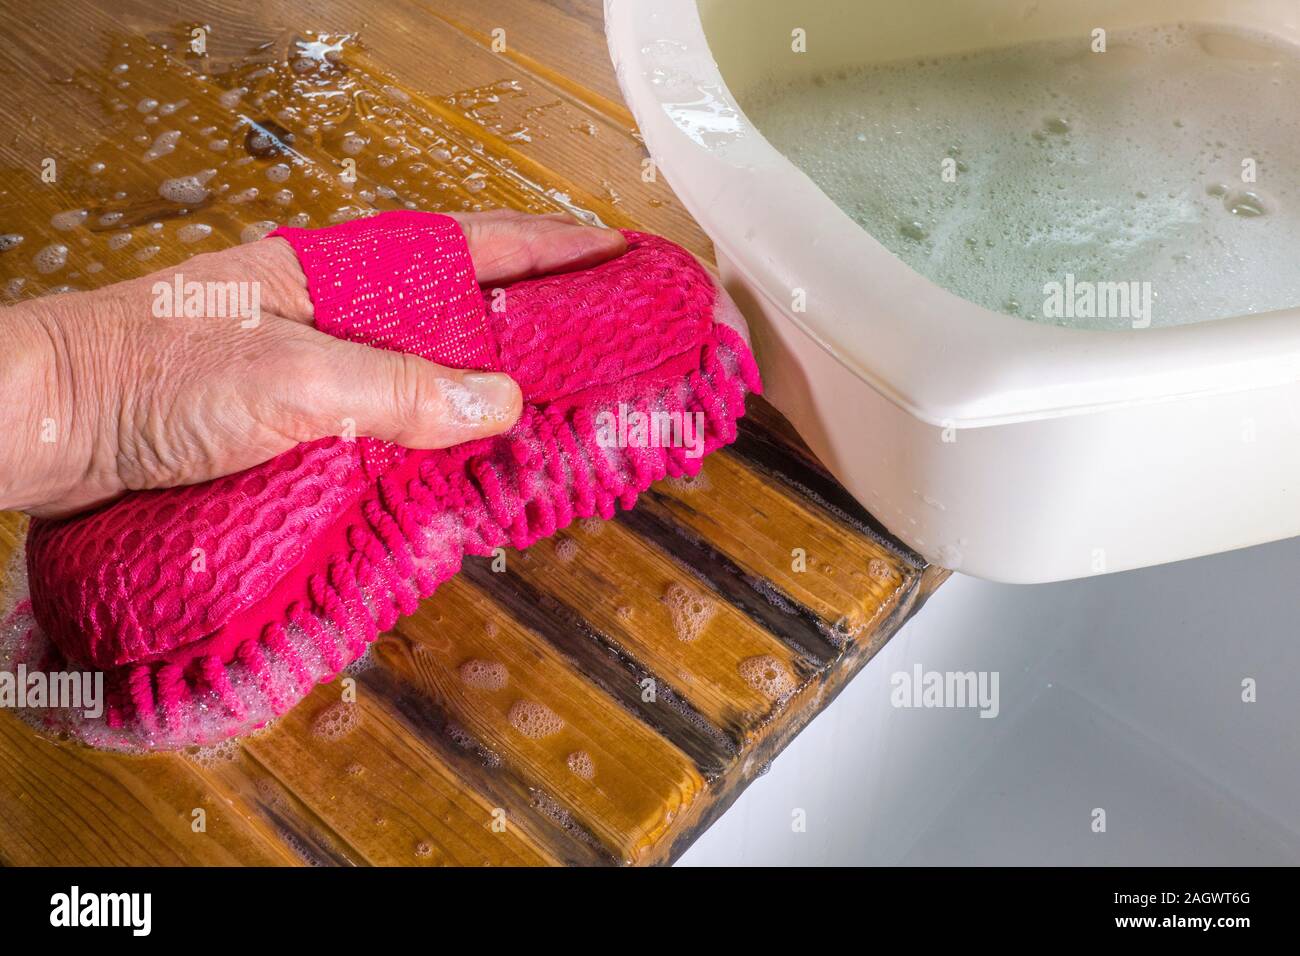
point(213, 608)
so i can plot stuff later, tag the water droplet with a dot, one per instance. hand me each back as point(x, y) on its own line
point(257, 230)
point(1246, 204)
point(163, 145)
point(193, 232)
point(51, 259)
point(186, 190)
point(914, 230)
point(68, 219)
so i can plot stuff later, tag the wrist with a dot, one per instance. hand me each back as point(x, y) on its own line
point(26, 394)
point(53, 390)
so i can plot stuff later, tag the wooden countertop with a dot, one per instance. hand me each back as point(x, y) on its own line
point(660, 734)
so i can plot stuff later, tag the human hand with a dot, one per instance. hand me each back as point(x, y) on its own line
point(101, 397)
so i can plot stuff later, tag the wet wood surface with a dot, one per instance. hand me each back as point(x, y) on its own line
point(659, 662)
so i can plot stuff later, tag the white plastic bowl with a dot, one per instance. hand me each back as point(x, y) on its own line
point(1001, 447)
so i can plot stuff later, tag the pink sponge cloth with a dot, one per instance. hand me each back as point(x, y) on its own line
point(213, 608)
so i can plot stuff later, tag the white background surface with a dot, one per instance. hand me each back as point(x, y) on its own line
point(1122, 692)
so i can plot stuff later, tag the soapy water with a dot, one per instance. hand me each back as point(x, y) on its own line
point(686, 484)
point(224, 752)
point(593, 527)
point(467, 407)
point(484, 675)
point(362, 664)
point(52, 258)
point(466, 741)
point(68, 219)
point(768, 676)
point(558, 814)
point(999, 174)
point(204, 151)
point(879, 570)
point(580, 763)
point(534, 720)
point(298, 846)
point(691, 612)
point(336, 721)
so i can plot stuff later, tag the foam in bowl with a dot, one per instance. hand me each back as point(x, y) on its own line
point(997, 174)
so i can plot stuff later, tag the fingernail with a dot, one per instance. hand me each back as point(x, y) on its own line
point(481, 400)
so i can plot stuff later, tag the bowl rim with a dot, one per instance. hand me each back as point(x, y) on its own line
point(944, 360)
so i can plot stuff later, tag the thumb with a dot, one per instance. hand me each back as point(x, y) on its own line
point(405, 399)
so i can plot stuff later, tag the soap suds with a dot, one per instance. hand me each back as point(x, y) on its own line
point(336, 721)
point(467, 406)
point(484, 675)
point(998, 173)
point(767, 675)
point(534, 720)
point(691, 612)
point(580, 763)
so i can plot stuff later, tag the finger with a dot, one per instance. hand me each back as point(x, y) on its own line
point(403, 398)
point(507, 245)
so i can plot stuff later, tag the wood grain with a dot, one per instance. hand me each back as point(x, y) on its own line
point(598, 699)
